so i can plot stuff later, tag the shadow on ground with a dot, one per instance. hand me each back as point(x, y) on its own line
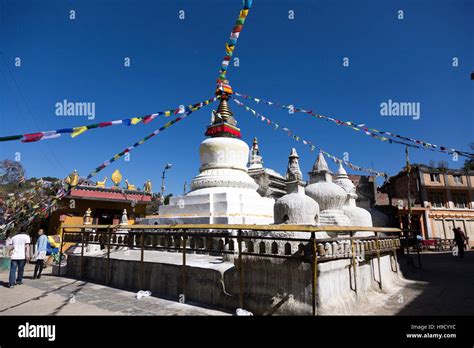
point(449, 284)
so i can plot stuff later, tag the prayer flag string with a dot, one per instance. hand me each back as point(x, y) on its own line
point(189, 110)
point(76, 131)
point(234, 36)
point(384, 136)
point(48, 203)
point(312, 146)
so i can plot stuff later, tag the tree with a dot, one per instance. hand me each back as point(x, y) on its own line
point(23, 201)
point(12, 173)
point(443, 166)
point(469, 163)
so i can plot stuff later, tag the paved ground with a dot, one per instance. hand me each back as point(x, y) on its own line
point(444, 286)
point(63, 296)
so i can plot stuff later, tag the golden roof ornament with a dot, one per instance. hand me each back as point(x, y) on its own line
point(130, 186)
point(72, 179)
point(101, 183)
point(147, 186)
point(116, 177)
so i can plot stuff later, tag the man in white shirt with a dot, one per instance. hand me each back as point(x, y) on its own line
point(20, 247)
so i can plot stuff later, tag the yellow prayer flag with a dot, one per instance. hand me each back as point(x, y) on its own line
point(135, 120)
point(243, 13)
point(229, 48)
point(78, 131)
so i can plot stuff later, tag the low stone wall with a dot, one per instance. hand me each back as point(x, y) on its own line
point(271, 286)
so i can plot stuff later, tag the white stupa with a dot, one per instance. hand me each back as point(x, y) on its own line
point(328, 195)
point(357, 215)
point(295, 207)
point(223, 192)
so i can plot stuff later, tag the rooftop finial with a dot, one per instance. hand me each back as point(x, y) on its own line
point(255, 160)
point(321, 171)
point(293, 173)
point(255, 149)
point(341, 171)
point(321, 165)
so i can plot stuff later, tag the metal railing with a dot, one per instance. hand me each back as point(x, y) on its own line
point(222, 239)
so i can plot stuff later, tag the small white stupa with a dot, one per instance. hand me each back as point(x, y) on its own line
point(295, 207)
point(358, 216)
point(328, 195)
point(223, 192)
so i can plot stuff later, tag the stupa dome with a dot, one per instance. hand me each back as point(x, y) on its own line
point(296, 208)
point(358, 216)
point(223, 164)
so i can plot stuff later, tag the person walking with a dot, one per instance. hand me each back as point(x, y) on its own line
point(460, 239)
point(20, 248)
point(40, 253)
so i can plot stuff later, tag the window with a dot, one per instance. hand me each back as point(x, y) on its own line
point(457, 179)
point(460, 200)
point(434, 177)
point(437, 199)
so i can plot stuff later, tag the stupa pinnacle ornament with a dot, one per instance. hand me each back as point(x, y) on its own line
point(223, 123)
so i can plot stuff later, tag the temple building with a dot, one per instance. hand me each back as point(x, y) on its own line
point(105, 204)
point(270, 183)
point(441, 199)
point(223, 192)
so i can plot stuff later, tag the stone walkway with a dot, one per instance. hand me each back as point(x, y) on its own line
point(64, 296)
point(444, 286)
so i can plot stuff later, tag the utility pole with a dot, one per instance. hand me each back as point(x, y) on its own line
point(168, 166)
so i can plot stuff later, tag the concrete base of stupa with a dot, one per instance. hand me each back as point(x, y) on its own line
point(220, 205)
point(271, 286)
point(334, 218)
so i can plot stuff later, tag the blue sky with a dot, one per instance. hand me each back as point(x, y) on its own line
point(176, 62)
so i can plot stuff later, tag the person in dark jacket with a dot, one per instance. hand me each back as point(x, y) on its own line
point(460, 239)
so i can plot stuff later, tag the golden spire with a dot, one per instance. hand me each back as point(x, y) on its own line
point(224, 109)
point(223, 113)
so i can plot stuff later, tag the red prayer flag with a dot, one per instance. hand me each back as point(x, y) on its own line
point(29, 138)
point(147, 119)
